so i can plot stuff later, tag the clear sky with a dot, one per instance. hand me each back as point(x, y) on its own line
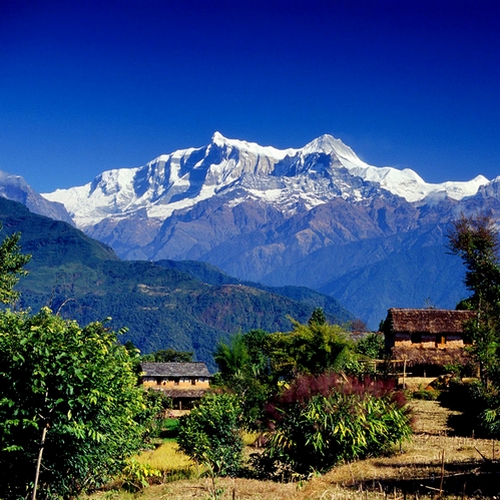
point(87, 86)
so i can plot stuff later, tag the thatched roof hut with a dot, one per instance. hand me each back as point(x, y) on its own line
point(432, 321)
point(427, 336)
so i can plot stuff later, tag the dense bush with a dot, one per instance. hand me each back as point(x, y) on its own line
point(313, 348)
point(211, 435)
point(483, 411)
point(321, 421)
point(244, 368)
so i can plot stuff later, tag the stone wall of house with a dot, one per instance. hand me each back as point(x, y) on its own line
point(183, 383)
point(428, 341)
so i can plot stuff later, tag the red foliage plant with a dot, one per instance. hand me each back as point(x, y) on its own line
point(304, 387)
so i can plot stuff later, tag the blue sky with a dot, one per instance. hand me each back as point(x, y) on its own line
point(87, 86)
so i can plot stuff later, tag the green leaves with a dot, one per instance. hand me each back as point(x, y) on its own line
point(79, 384)
point(320, 421)
point(475, 240)
point(312, 348)
point(211, 433)
point(12, 263)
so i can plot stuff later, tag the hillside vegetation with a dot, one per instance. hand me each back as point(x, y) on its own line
point(187, 306)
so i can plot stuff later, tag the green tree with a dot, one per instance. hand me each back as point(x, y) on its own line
point(12, 263)
point(232, 359)
point(69, 403)
point(313, 348)
point(244, 369)
point(317, 317)
point(211, 433)
point(475, 240)
point(168, 356)
point(371, 346)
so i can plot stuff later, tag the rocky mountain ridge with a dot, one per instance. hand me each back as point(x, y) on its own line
point(318, 216)
point(287, 179)
point(15, 188)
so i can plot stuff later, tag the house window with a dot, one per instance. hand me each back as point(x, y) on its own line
point(193, 381)
point(440, 340)
point(176, 381)
point(416, 338)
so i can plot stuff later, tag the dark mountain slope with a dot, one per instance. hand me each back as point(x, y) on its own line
point(161, 306)
point(212, 275)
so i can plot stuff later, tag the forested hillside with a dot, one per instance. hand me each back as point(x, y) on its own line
point(188, 308)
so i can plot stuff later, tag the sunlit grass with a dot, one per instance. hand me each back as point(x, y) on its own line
point(166, 458)
point(369, 479)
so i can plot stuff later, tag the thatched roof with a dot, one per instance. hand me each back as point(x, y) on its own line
point(197, 370)
point(433, 321)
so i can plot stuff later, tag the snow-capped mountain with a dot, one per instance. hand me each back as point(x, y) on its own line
point(317, 216)
point(322, 170)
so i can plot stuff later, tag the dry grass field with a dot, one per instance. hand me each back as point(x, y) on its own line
point(435, 464)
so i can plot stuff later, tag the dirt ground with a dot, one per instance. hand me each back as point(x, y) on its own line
point(434, 461)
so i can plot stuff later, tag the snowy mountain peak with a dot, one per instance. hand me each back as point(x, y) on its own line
point(219, 140)
point(321, 171)
point(329, 144)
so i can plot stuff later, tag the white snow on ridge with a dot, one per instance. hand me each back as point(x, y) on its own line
point(253, 147)
point(408, 184)
point(168, 184)
point(111, 194)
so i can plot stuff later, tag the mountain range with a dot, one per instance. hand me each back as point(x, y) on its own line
point(318, 216)
point(187, 306)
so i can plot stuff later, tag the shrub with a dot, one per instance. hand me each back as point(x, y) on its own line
point(426, 394)
point(137, 475)
point(483, 410)
point(320, 421)
point(211, 434)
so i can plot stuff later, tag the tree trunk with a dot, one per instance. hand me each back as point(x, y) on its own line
point(39, 460)
point(40, 450)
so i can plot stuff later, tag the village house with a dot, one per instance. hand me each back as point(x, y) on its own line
point(427, 339)
point(183, 382)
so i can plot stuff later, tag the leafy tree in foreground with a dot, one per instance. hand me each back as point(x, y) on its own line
point(320, 421)
point(12, 263)
point(372, 346)
point(313, 348)
point(475, 240)
point(69, 406)
point(317, 317)
point(211, 433)
point(244, 368)
point(232, 359)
